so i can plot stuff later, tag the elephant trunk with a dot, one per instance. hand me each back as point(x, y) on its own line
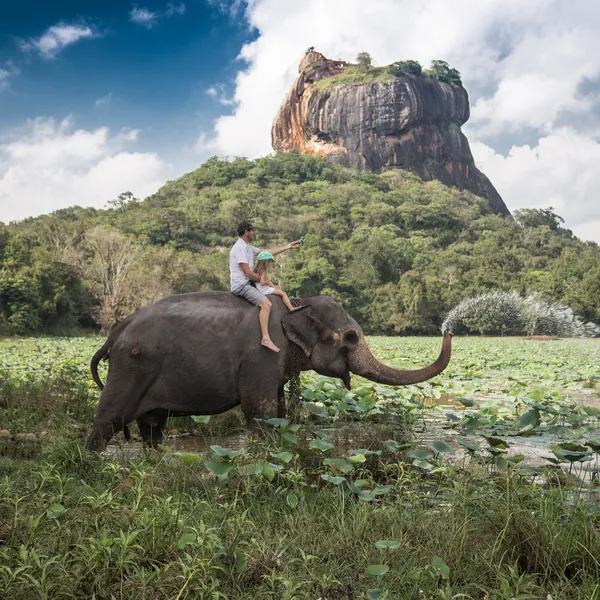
point(362, 362)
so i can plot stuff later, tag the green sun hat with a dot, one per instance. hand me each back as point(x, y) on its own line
point(265, 256)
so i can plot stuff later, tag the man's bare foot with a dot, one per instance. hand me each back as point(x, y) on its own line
point(268, 343)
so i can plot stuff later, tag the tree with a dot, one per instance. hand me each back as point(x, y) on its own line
point(364, 61)
point(405, 67)
point(397, 252)
point(123, 200)
point(442, 71)
point(538, 217)
point(310, 49)
point(106, 262)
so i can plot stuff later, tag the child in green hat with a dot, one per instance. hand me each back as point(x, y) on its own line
point(266, 286)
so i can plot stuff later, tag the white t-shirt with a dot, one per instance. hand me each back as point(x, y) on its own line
point(240, 253)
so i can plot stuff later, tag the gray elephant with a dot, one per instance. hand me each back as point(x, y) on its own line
point(200, 354)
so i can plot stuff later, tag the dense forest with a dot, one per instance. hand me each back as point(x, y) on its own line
point(397, 252)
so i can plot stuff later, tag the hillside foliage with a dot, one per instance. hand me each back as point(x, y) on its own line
point(397, 252)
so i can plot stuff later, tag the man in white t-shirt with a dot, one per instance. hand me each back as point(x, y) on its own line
point(242, 277)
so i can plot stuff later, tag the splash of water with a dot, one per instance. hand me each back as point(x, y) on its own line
point(509, 313)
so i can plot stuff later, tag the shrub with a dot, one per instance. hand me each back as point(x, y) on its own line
point(507, 313)
point(405, 67)
point(364, 60)
point(443, 72)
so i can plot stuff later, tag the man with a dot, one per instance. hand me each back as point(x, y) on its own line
point(242, 276)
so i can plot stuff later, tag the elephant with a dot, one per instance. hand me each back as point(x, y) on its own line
point(200, 354)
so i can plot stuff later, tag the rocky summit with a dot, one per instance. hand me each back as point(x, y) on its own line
point(374, 120)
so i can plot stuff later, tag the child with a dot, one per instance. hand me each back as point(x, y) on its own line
point(266, 286)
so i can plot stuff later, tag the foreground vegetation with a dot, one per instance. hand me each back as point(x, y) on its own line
point(367, 498)
point(397, 252)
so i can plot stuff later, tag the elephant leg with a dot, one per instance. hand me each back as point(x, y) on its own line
point(255, 407)
point(101, 434)
point(151, 426)
point(258, 389)
point(117, 407)
point(281, 409)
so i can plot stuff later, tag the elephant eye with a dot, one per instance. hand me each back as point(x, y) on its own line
point(351, 337)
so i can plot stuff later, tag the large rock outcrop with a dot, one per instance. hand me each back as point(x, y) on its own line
point(411, 122)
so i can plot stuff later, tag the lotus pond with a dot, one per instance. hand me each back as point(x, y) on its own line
point(481, 483)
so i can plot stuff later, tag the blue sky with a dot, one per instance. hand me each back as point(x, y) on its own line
point(101, 97)
point(150, 75)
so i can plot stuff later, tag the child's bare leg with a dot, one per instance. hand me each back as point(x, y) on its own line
point(263, 319)
point(284, 297)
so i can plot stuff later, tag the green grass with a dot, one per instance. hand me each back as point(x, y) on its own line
point(308, 511)
point(353, 76)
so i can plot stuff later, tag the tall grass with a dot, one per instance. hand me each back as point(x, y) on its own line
point(289, 520)
point(75, 525)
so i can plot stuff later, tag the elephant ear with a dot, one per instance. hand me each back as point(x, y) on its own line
point(302, 327)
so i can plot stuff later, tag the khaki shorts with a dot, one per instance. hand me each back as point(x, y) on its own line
point(251, 294)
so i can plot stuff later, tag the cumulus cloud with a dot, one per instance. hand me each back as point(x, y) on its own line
point(57, 38)
point(524, 62)
point(560, 171)
point(142, 16)
point(147, 18)
point(7, 71)
point(48, 165)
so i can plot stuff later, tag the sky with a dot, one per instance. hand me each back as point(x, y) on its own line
point(98, 98)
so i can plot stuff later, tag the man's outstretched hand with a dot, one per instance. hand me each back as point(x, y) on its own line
point(295, 245)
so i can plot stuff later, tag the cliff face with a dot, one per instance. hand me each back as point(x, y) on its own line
point(411, 122)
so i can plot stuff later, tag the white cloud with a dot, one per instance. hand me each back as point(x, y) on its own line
point(539, 80)
point(231, 7)
point(57, 38)
point(560, 171)
point(205, 144)
point(147, 18)
point(7, 70)
point(48, 165)
point(523, 62)
point(142, 16)
point(104, 101)
point(173, 9)
point(218, 90)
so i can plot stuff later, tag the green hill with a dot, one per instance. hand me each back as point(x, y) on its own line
point(397, 252)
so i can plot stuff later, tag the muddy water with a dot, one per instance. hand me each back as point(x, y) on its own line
point(430, 425)
point(120, 449)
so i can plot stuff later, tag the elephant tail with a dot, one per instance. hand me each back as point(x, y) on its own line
point(104, 352)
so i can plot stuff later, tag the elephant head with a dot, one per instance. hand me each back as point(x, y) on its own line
point(334, 345)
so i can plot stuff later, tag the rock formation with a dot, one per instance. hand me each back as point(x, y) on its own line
point(411, 122)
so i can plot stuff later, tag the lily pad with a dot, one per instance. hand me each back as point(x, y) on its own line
point(377, 570)
point(339, 464)
point(441, 447)
point(55, 511)
point(332, 479)
point(203, 419)
point(320, 445)
point(285, 457)
point(227, 452)
point(420, 454)
point(220, 469)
